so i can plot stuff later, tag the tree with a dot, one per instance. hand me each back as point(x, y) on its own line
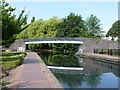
point(33, 19)
point(0, 25)
point(93, 27)
point(10, 24)
point(114, 30)
point(71, 26)
point(40, 29)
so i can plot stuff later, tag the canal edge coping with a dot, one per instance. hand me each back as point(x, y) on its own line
point(49, 73)
point(100, 58)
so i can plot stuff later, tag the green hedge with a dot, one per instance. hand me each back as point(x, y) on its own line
point(10, 60)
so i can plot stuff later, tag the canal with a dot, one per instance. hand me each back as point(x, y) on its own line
point(95, 74)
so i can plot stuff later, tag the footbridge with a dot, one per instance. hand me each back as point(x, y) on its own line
point(20, 45)
point(54, 40)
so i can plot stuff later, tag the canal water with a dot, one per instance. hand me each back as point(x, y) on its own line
point(95, 74)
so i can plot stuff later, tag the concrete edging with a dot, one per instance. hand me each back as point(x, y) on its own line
point(50, 74)
point(100, 58)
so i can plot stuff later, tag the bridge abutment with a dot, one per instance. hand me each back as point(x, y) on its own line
point(18, 45)
point(91, 44)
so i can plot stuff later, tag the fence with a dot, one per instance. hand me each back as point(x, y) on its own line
point(112, 52)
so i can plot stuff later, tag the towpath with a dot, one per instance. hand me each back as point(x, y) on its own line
point(112, 59)
point(33, 73)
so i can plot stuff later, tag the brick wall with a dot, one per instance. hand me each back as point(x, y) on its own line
point(90, 44)
point(17, 44)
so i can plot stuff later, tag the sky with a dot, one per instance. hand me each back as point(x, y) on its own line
point(107, 12)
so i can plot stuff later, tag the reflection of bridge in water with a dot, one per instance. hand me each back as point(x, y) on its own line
point(70, 70)
point(89, 66)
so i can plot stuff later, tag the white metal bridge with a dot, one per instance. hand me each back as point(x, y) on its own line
point(72, 40)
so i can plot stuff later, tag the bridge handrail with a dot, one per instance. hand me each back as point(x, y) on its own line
point(55, 39)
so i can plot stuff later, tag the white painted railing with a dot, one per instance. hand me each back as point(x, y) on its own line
point(35, 42)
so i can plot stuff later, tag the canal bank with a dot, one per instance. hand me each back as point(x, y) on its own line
point(101, 57)
point(33, 73)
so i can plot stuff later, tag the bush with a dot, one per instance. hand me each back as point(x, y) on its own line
point(10, 60)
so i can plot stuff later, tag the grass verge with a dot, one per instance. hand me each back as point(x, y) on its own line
point(8, 61)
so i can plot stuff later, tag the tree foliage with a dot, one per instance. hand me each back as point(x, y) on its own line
point(93, 27)
point(33, 19)
point(114, 30)
point(71, 26)
point(40, 29)
point(10, 24)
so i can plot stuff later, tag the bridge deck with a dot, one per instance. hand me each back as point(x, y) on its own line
point(55, 39)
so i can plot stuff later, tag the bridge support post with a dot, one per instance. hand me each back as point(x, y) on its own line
point(79, 50)
point(26, 47)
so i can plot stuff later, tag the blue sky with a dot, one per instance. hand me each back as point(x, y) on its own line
point(107, 12)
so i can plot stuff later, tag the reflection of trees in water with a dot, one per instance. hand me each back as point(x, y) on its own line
point(44, 56)
point(72, 80)
point(75, 80)
point(93, 79)
point(117, 74)
point(57, 59)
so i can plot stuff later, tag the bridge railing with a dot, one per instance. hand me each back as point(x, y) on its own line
point(55, 39)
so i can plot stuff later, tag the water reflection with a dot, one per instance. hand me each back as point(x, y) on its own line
point(96, 74)
point(71, 80)
point(93, 66)
point(58, 59)
point(76, 80)
point(93, 80)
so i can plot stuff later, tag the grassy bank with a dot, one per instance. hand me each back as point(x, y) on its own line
point(10, 60)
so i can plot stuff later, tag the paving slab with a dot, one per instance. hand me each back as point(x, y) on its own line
point(33, 73)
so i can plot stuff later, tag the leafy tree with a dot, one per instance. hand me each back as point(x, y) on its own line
point(10, 24)
point(114, 30)
point(71, 26)
point(33, 19)
point(40, 29)
point(0, 24)
point(93, 27)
